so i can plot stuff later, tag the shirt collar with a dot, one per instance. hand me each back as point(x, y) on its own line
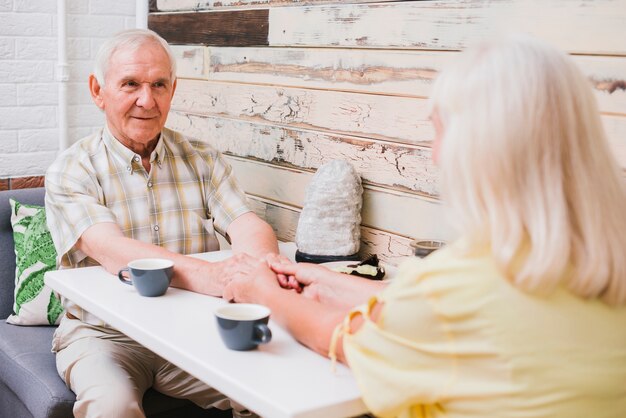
point(128, 156)
point(159, 151)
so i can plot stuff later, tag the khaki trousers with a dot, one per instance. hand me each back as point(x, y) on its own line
point(110, 372)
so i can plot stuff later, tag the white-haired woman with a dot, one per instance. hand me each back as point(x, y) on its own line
point(525, 315)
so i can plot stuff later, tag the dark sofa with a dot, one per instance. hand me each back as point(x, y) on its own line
point(29, 383)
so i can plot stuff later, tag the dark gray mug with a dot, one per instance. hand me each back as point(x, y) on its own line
point(150, 276)
point(422, 248)
point(243, 326)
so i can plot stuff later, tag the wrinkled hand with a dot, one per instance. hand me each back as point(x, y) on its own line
point(285, 282)
point(313, 281)
point(253, 287)
point(239, 265)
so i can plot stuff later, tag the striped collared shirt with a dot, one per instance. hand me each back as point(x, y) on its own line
point(189, 193)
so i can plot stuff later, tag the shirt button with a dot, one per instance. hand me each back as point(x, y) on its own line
point(149, 184)
point(156, 227)
point(128, 168)
point(136, 159)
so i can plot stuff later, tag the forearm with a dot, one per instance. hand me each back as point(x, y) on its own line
point(115, 251)
point(249, 234)
point(310, 322)
point(345, 291)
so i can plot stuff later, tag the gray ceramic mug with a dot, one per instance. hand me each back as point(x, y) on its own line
point(243, 326)
point(150, 276)
point(422, 248)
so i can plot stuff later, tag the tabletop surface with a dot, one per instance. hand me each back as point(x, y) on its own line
point(279, 379)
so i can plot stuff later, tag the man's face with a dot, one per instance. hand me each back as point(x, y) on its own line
point(137, 94)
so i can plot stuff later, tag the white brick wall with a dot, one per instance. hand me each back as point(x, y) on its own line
point(7, 48)
point(8, 141)
point(35, 140)
point(25, 164)
point(28, 89)
point(8, 93)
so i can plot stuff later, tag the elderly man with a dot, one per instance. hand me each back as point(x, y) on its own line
point(136, 189)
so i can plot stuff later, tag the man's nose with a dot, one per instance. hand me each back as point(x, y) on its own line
point(145, 97)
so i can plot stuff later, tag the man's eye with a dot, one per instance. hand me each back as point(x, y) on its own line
point(159, 84)
point(130, 84)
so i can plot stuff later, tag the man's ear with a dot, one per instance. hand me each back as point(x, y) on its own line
point(96, 91)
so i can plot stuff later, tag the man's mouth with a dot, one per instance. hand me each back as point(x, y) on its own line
point(144, 117)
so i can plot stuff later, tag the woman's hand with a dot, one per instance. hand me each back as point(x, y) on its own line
point(323, 285)
point(309, 321)
point(313, 281)
point(285, 281)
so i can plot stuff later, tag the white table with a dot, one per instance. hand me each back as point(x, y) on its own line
point(282, 379)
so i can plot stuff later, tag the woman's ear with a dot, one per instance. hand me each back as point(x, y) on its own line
point(96, 91)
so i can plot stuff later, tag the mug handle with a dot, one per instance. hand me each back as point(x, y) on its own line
point(262, 333)
point(122, 279)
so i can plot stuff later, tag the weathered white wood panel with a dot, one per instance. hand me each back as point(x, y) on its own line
point(190, 61)
point(616, 132)
point(390, 72)
point(574, 25)
point(405, 214)
point(403, 73)
point(180, 5)
point(390, 248)
point(608, 78)
point(400, 119)
point(386, 164)
point(348, 80)
point(283, 218)
point(387, 118)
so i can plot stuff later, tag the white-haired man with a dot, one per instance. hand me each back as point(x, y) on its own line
point(137, 189)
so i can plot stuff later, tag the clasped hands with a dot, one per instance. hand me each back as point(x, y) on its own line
point(275, 273)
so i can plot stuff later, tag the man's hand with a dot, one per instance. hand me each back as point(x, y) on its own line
point(236, 267)
point(254, 287)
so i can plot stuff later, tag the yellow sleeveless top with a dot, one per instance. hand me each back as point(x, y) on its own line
point(456, 339)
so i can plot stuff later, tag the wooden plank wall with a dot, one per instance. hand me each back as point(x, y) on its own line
point(283, 86)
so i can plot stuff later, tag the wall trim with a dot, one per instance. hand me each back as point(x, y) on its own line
point(15, 183)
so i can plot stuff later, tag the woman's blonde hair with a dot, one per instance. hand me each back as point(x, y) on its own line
point(526, 168)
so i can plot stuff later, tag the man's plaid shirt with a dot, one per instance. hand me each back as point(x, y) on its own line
point(189, 193)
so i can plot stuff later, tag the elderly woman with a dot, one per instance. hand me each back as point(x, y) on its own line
point(525, 315)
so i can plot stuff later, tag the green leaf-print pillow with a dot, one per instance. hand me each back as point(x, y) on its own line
point(35, 303)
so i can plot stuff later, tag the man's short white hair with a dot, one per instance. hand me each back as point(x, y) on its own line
point(131, 39)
